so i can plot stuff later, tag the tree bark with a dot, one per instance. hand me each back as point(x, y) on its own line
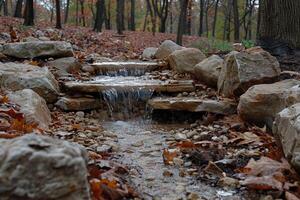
point(280, 22)
point(215, 19)
point(182, 21)
point(67, 11)
point(5, 8)
point(132, 15)
point(82, 12)
point(236, 20)
point(18, 10)
point(120, 16)
point(189, 19)
point(58, 18)
point(201, 18)
point(29, 13)
point(100, 5)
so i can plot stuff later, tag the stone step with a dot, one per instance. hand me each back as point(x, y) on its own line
point(131, 68)
point(129, 83)
point(193, 104)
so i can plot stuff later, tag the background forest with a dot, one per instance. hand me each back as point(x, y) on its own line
point(222, 19)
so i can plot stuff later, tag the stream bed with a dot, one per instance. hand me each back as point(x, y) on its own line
point(141, 146)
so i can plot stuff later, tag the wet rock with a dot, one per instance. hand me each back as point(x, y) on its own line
point(89, 69)
point(193, 104)
point(180, 136)
point(228, 182)
point(261, 103)
point(80, 114)
point(38, 49)
point(287, 131)
point(95, 57)
point(39, 167)
point(64, 66)
point(15, 77)
point(184, 60)
point(33, 106)
point(208, 70)
point(149, 52)
point(44, 39)
point(245, 69)
point(166, 48)
point(78, 103)
point(104, 148)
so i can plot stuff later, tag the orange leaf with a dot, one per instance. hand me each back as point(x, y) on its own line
point(169, 156)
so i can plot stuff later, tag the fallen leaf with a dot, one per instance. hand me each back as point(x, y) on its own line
point(169, 156)
point(262, 183)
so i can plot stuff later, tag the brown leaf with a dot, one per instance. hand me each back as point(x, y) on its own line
point(262, 183)
point(169, 156)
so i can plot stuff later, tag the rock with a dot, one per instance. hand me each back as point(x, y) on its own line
point(287, 131)
point(40, 167)
point(149, 52)
point(261, 103)
point(208, 70)
point(95, 57)
point(15, 77)
point(30, 39)
point(238, 47)
point(5, 36)
point(180, 136)
point(44, 39)
point(245, 69)
point(89, 69)
point(228, 182)
point(38, 49)
point(80, 114)
point(65, 66)
point(32, 106)
point(77, 104)
point(184, 60)
point(193, 104)
point(166, 48)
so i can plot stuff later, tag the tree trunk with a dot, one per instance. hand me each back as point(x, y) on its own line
point(215, 19)
point(58, 18)
point(120, 16)
point(132, 15)
point(67, 11)
point(100, 5)
point(29, 14)
point(182, 21)
point(236, 20)
point(82, 12)
point(189, 19)
point(5, 8)
point(77, 12)
point(18, 11)
point(107, 16)
point(171, 16)
point(201, 17)
point(146, 18)
point(280, 22)
point(152, 15)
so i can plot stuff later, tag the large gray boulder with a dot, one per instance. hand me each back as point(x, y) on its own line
point(287, 131)
point(40, 167)
point(166, 48)
point(15, 77)
point(32, 106)
point(36, 49)
point(64, 66)
point(184, 60)
point(245, 69)
point(208, 70)
point(149, 52)
point(262, 102)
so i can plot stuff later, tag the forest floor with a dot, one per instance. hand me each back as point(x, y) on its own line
point(202, 157)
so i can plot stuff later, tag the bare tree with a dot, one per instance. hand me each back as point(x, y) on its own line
point(182, 20)
point(100, 5)
point(120, 16)
point(29, 13)
point(18, 10)
point(236, 20)
point(58, 18)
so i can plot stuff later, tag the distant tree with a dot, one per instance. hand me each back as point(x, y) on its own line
point(100, 5)
point(279, 23)
point(67, 11)
point(5, 8)
point(58, 18)
point(182, 20)
point(18, 10)
point(132, 15)
point(215, 19)
point(201, 18)
point(120, 16)
point(82, 15)
point(161, 9)
point(29, 13)
point(236, 20)
point(107, 16)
